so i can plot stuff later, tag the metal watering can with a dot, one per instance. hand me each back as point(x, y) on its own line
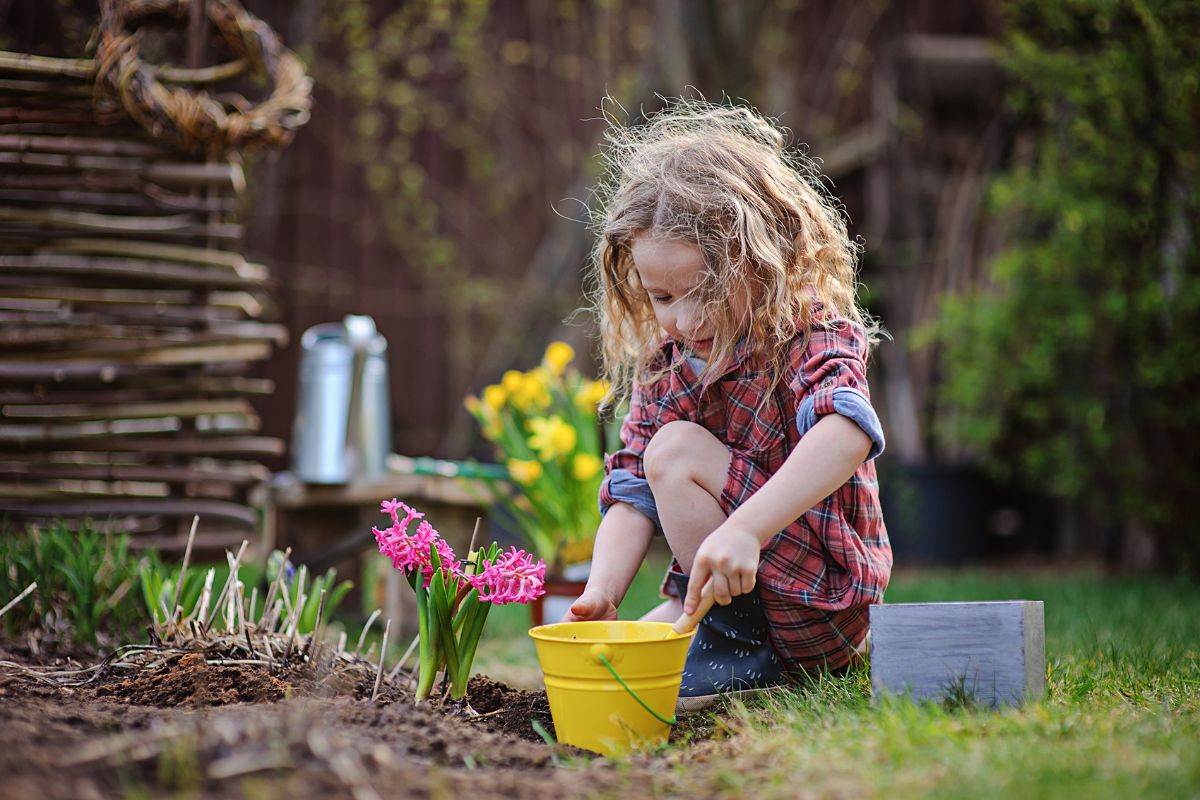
point(343, 430)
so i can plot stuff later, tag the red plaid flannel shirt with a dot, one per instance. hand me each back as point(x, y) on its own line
point(817, 576)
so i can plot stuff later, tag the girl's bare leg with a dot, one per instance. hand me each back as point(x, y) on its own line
point(667, 611)
point(686, 467)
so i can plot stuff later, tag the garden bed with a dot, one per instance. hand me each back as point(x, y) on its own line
point(216, 730)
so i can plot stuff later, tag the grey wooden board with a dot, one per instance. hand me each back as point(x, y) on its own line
point(994, 652)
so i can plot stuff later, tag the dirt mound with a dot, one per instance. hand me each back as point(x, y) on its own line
point(509, 711)
point(192, 682)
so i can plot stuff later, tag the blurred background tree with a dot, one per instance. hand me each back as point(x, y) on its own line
point(1074, 363)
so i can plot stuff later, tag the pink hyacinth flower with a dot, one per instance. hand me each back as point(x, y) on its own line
point(393, 506)
point(513, 577)
point(425, 538)
point(407, 551)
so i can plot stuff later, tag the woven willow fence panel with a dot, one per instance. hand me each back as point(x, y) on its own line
point(129, 321)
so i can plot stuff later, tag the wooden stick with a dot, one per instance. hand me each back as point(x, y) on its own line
point(200, 613)
point(167, 172)
point(234, 262)
point(382, 655)
point(187, 555)
point(171, 507)
point(82, 145)
point(18, 598)
point(474, 534)
point(236, 599)
point(133, 201)
point(301, 599)
point(165, 356)
point(144, 271)
point(688, 622)
point(411, 647)
point(85, 68)
point(82, 412)
point(314, 633)
point(28, 64)
point(293, 627)
point(143, 388)
point(234, 563)
point(275, 615)
point(196, 28)
point(245, 303)
point(362, 637)
point(45, 88)
point(270, 596)
point(105, 468)
point(213, 74)
point(253, 602)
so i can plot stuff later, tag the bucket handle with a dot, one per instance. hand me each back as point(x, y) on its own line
point(604, 660)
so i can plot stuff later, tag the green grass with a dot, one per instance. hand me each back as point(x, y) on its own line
point(1121, 717)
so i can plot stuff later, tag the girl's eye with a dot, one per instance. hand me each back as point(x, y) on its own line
point(658, 298)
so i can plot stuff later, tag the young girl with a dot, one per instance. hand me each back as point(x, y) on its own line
point(725, 285)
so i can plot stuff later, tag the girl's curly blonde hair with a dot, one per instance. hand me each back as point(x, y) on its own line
point(720, 177)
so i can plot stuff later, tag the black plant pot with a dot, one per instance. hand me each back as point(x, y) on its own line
point(936, 514)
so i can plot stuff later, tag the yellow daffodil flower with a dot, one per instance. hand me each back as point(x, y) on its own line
point(513, 381)
point(578, 551)
point(557, 356)
point(495, 396)
point(524, 472)
point(551, 437)
point(473, 405)
point(585, 466)
point(590, 394)
point(534, 391)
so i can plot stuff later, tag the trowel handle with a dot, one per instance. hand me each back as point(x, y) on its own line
point(687, 622)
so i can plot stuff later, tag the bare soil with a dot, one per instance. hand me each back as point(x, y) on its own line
point(202, 730)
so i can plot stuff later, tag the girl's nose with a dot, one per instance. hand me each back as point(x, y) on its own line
point(685, 322)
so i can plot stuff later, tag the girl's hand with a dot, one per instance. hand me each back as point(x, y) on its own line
point(728, 559)
point(592, 606)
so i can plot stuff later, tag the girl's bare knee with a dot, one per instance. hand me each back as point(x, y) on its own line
point(670, 451)
point(685, 454)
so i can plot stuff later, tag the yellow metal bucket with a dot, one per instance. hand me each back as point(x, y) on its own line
point(611, 685)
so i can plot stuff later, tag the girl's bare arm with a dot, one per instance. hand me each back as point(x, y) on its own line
point(622, 541)
point(822, 461)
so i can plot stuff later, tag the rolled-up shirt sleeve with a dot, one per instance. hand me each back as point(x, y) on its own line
point(625, 487)
point(830, 377)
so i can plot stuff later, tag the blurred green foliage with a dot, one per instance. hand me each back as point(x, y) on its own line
point(1077, 367)
point(86, 583)
point(93, 591)
point(158, 589)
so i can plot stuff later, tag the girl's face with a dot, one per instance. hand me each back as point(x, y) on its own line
point(670, 269)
